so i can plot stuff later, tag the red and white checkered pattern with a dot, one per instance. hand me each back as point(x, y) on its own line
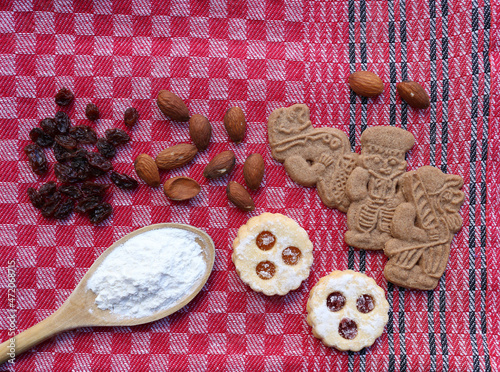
point(259, 55)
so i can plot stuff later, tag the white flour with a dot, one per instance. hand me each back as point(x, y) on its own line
point(148, 273)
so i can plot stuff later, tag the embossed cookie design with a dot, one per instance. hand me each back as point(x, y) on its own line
point(272, 254)
point(318, 157)
point(423, 227)
point(373, 187)
point(347, 310)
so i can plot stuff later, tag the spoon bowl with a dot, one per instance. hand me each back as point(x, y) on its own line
point(80, 309)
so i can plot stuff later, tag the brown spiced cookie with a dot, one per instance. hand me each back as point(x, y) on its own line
point(272, 254)
point(318, 157)
point(373, 186)
point(347, 310)
point(423, 227)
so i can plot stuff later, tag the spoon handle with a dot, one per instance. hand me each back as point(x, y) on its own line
point(48, 327)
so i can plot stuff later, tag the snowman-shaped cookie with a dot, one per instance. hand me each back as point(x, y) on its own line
point(272, 254)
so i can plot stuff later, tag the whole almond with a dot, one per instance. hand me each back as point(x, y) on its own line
point(172, 106)
point(235, 123)
point(146, 169)
point(200, 131)
point(414, 94)
point(253, 171)
point(240, 197)
point(220, 165)
point(176, 156)
point(181, 188)
point(366, 84)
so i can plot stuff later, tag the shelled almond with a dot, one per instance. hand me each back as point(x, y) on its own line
point(239, 196)
point(181, 188)
point(147, 170)
point(220, 165)
point(235, 124)
point(176, 156)
point(172, 105)
point(253, 171)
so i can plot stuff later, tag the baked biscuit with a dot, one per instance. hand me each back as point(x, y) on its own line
point(347, 310)
point(272, 254)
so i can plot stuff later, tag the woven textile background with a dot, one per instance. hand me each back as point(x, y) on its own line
point(259, 55)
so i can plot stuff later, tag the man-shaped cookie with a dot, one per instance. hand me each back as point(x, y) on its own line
point(312, 156)
point(373, 186)
point(423, 228)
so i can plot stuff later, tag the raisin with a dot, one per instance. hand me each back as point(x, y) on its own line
point(92, 112)
point(117, 136)
point(64, 97)
point(100, 213)
point(62, 122)
point(99, 162)
point(72, 191)
point(67, 142)
point(63, 209)
point(87, 203)
point(41, 138)
point(51, 204)
point(83, 134)
point(79, 164)
point(61, 154)
point(105, 148)
point(37, 159)
point(130, 117)
point(47, 189)
point(66, 174)
point(49, 126)
point(123, 181)
point(35, 198)
point(92, 188)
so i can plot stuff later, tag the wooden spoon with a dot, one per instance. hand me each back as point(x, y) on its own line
point(80, 310)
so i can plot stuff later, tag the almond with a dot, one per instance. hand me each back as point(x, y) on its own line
point(220, 165)
point(414, 94)
point(176, 156)
point(366, 84)
point(253, 170)
point(240, 197)
point(181, 188)
point(235, 123)
point(200, 131)
point(147, 170)
point(172, 106)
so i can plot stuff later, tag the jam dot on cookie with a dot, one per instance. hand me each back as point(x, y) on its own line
point(365, 303)
point(291, 255)
point(265, 270)
point(348, 329)
point(335, 301)
point(266, 240)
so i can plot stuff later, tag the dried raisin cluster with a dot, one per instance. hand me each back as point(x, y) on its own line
point(75, 165)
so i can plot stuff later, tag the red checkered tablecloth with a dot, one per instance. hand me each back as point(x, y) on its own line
point(259, 55)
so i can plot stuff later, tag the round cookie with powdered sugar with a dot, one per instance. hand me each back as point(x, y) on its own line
point(347, 310)
point(272, 254)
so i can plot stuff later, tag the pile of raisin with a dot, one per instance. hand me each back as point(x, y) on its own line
point(75, 165)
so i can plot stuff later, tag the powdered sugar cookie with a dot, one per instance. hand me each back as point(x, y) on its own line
point(347, 310)
point(272, 254)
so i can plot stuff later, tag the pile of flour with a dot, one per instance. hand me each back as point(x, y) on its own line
point(148, 273)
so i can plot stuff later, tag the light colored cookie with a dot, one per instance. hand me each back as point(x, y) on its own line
point(281, 263)
point(329, 314)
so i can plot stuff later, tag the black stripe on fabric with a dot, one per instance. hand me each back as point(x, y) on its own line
point(432, 140)
point(364, 109)
point(352, 99)
point(484, 156)
point(392, 121)
point(473, 190)
point(352, 129)
point(404, 124)
point(444, 167)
